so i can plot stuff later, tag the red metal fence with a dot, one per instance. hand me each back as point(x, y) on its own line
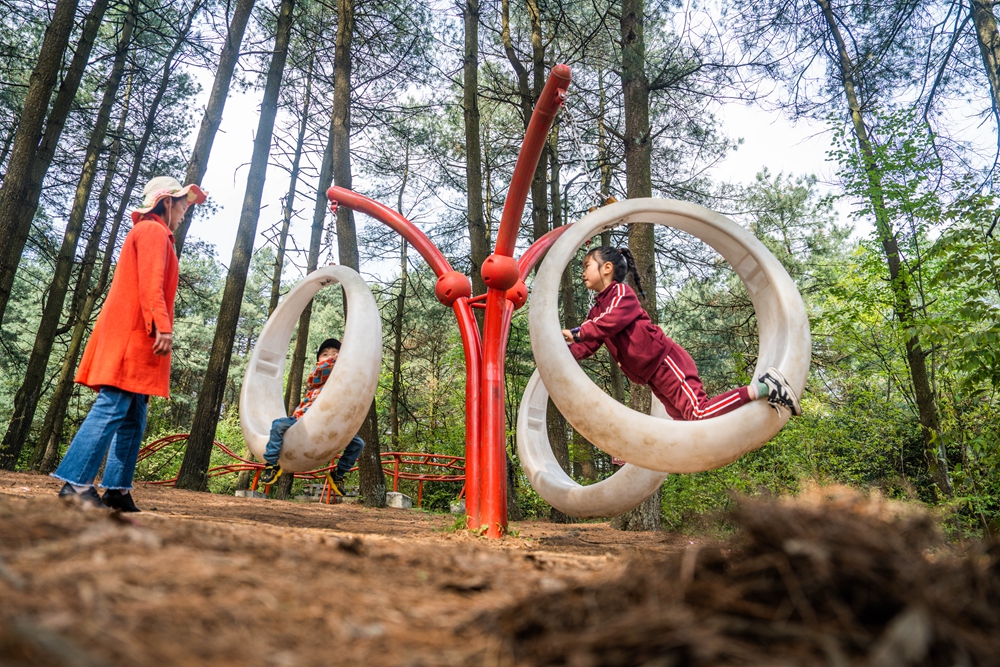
point(412, 466)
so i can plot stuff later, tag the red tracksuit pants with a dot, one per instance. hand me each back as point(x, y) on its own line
point(677, 385)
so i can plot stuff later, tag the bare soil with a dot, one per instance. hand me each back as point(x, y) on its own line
point(203, 579)
point(832, 577)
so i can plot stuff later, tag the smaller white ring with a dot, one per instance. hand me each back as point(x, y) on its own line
point(340, 409)
point(626, 489)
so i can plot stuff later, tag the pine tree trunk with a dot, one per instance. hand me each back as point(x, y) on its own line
point(26, 399)
point(84, 298)
point(397, 344)
point(988, 39)
point(8, 142)
point(934, 453)
point(194, 468)
point(539, 196)
point(213, 110)
point(293, 390)
point(293, 180)
point(397, 350)
point(557, 426)
point(372, 479)
point(478, 237)
point(17, 184)
point(638, 183)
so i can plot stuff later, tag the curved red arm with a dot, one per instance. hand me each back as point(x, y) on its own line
point(395, 221)
point(551, 99)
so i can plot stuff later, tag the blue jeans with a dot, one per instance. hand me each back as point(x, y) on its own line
point(273, 450)
point(114, 426)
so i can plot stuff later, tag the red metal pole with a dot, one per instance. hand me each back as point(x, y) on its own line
point(473, 416)
point(534, 141)
point(494, 452)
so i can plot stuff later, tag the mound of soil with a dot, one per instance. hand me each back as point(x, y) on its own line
point(829, 578)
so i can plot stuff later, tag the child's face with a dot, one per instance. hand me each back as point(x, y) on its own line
point(328, 353)
point(596, 276)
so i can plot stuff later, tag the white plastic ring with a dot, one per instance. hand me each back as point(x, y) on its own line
point(680, 446)
point(626, 489)
point(340, 409)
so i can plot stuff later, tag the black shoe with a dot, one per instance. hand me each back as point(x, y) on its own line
point(88, 499)
point(270, 474)
point(781, 394)
point(117, 500)
point(336, 485)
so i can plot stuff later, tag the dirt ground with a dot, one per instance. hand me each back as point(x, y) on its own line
point(202, 579)
point(833, 577)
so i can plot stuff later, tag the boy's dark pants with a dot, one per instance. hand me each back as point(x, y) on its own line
point(273, 450)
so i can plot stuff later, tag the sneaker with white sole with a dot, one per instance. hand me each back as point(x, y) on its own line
point(781, 394)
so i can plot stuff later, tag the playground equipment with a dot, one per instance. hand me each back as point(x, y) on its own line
point(681, 446)
point(400, 466)
point(624, 490)
point(338, 412)
point(642, 440)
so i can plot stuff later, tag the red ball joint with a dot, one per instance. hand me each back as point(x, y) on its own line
point(451, 286)
point(518, 294)
point(500, 272)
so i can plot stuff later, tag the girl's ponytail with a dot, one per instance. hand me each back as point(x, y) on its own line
point(630, 265)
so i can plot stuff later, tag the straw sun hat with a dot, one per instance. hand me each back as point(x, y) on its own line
point(164, 186)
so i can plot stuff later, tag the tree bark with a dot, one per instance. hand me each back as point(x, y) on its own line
point(397, 343)
point(293, 391)
point(539, 196)
point(26, 399)
point(557, 426)
point(988, 39)
point(371, 477)
point(194, 468)
point(528, 97)
point(638, 183)
point(927, 410)
point(18, 185)
point(293, 180)
point(213, 110)
point(478, 237)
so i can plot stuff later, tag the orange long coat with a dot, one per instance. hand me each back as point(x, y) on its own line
point(120, 351)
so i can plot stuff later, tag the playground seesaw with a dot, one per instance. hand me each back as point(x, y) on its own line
point(651, 445)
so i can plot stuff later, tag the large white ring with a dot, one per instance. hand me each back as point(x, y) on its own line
point(340, 409)
point(623, 491)
point(680, 446)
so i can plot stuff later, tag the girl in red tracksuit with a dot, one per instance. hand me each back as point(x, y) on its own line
point(648, 356)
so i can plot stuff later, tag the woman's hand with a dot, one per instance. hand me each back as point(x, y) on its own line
point(567, 335)
point(163, 343)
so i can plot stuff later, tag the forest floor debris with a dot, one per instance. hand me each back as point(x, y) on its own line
point(829, 578)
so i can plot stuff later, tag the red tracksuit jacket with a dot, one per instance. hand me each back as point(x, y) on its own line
point(618, 320)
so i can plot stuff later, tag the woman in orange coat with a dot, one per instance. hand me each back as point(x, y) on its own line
point(127, 358)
